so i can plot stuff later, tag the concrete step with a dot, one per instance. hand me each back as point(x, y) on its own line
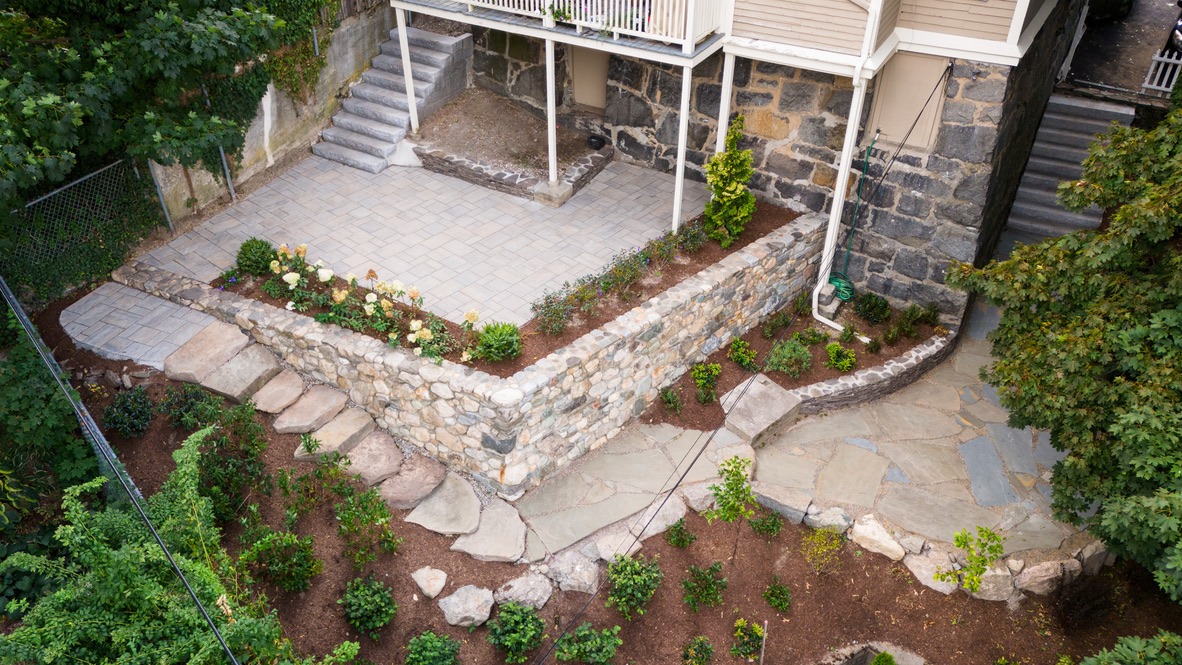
point(1056, 216)
point(393, 65)
point(1054, 168)
point(1035, 227)
point(359, 142)
point(1079, 107)
point(435, 42)
point(417, 54)
point(1064, 137)
point(1041, 181)
point(384, 96)
point(374, 111)
point(349, 157)
point(369, 127)
point(1037, 196)
point(396, 82)
point(1062, 153)
point(1084, 126)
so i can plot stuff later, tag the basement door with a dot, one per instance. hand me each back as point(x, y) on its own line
point(589, 78)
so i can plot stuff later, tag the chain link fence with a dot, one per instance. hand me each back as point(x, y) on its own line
point(79, 232)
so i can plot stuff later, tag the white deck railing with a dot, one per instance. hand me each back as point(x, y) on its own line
point(682, 22)
point(1163, 73)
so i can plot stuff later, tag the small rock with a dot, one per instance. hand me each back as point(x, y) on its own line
point(791, 504)
point(997, 583)
point(698, 496)
point(1044, 578)
point(925, 566)
point(658, 517)
point(113, 379)
point(912, 543)
point(1092, 557)
point(143, 374)
point(1015, 565)
point(468, 606)
point(532, 590)
point(126, 381)
point(430, 580)
point(814, 509)
point(416, 478)
point(833, 518)
point(873, 536)
point(574, 572)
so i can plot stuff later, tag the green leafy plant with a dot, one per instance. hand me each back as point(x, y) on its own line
point(678, 534)
point(231, 462)
point(775, 323)
point(427, 648)
point(734, 499)
point(811, 336)
point(670, 399)
point(803, 305)
point(778, 595)
point(369, 606)
point(874, 346)
point(840, 358)
point(891, 335)
point(255, 256)
point(516, 630)
point(283, 558)
point(704, 586)
point(790, 357)
point(743, 355)
point(130, 415)
point(769, 525)
point(498, 341)
point(872, 308)
point(190, 406)
point(883, 658)
point(587, 645)
point(748, 639)
point(731, 203)
point(705, 376)
point(698, 652)
point(364, 521)
point(821, 548)
point(1165, 648)
point(632, 581)
point(848, 335)
point(980, 552)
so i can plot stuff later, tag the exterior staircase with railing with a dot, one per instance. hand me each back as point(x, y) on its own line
point(366, 131)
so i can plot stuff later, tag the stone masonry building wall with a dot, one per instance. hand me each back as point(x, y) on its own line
point(515, 66)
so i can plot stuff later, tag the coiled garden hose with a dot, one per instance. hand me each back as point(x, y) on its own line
point(844, 288)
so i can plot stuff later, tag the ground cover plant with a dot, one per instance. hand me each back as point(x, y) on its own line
point(587, 645)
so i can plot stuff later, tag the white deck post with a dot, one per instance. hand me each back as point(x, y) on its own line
point(551, 114)
point(687, 76)
point(724, 104)
point(404, 45)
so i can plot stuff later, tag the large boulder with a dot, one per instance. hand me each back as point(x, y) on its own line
point(468, 606)
point(532, 590)
point(873, 536)
point(573, 571)
point(1045, 577)
point(997, 583)
point(925, 566)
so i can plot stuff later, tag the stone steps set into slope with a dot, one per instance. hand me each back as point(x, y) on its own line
point(376, 116)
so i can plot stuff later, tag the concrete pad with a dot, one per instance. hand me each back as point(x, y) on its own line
point(452, 509)
point(279, 393)
point(417, 477)
point(562, 529)
point(311, 411)
point(926, 463)
point(646, 470)
point(376, 458)
point(341, 434)
point(205, 352)
point(852, 476)
point(928, 393)
point(778, 467)
point(246, 372)
point(756, 406)
point(987, 477)
point(930, 515)
point(500, 536)
point(1015, 447)
point(909, 423)
point(850, 422)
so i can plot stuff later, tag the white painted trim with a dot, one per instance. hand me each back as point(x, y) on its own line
point(407, 75)
point(862, 4)
point(1019, 18)
point(951, 46)
point(724, 101)
point(727, 28)
point(687, 76)
point(551, 114)
point(890, 46)
point(792, 56)
point(1036, 24)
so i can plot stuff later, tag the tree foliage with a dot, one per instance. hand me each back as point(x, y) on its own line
point(1089, 346)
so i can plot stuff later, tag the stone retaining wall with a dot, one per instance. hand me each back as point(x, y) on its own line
point(510, 433)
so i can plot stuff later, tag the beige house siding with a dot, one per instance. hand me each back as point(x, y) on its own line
point(964, 18)
point(831, 25)
point(890, 17)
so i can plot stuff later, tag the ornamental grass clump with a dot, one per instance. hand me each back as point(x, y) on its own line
point(789, 356)
point(731, 203)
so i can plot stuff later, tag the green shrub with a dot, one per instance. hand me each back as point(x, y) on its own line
point(190, 406)
point(980, 552)
point(587, 645)
point(820, 548)
point(231, 462)
point(498, 341)
point(670, 399)
point(704, 586)
point(678, 535)
point(840, 358)
point(748, 640)
point(778, 595)
point(364, 521)
point(427, 648)
point(255, 257)
point(553, 312)
point(283, 558)
point(731, 203)
point(811, 336)
point(848, 335)
point(130, 414)
point(743, 355)
point(368, 605)
point(516, 630)
point(891, 335)
point(734, 498)
point(769, 525)
point(872, 308)
point(803, 305)
point(1165, 648)
point(632, 581)
point(705, 376)
point(883, 658)
point(790, 357)
point(775, 323)
point(874, 346)
point(698, 652)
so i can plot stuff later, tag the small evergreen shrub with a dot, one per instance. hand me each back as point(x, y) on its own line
point(820, 548)
point(883, 658)
point(499, 341)
point(368, 605)
point(848, 335)
point(678, 535)
point(553, 312)
point(803, 305)
point(872, 308)
point(931, 315)
point(670, 399)
point(733, 499)
point(698, 652)
point(516, 630)
point(587, 645)
point(778, 595)
point(811, 336)
point(790, 357)
point(130, 414)
point(874, 346)
point(705, 376)
point(748, 640)
point(840, 358)
point(190, 406)
point(769, 525)
point(255, 257)
point(427, 648)
point(775, 323)
point(632, 581)
point(743, 355)
point(731, 203)
point(891, 335)
point(364, 521)
point(231, 462)
point(283, 558)
point(704, 586)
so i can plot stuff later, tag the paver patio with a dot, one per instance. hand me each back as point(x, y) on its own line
point(464, 246)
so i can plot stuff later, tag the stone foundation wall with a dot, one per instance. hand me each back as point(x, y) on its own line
point(513, 432)
point(515, 66)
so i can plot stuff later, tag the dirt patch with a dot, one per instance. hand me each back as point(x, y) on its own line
point(440, 26)
point(483, 126)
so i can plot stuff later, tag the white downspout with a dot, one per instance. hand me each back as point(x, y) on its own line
point(846, 160)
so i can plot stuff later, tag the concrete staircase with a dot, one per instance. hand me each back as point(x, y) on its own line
point(1069, 125)
point(376, 116)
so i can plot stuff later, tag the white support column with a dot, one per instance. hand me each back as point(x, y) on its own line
point(551, 114)
point(724, 104)
point(687, 76)
point(404, 45)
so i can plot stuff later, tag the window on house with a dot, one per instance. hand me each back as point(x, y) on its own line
point(901, 89)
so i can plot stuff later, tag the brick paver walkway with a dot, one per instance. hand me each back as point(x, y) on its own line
point(464, 246)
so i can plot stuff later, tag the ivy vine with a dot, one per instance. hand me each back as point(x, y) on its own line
point(294, 67)
point(236, 99)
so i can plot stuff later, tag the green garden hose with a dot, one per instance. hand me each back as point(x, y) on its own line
point(843, 286)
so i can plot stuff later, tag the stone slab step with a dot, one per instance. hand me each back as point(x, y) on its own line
point(759, 407)
point(1070, 221)
point(378, 95)
point(340, 435)
point(360, 142)
point(1050, 199)
point(279, 393)
point(349, 157)
point(1092, 109)
point(312, 411)
point(418, 476)
point(1052, 167)
point(426, 56)
point(379, 112)
point(1063, 137)
point(1040, 181)
point(1062, 153)
point(207, 351)
point(452, 509)
point(1083, 126)
point(376, 458)
point(369, 127)
point(396, 82)
point(246, 372)
point(500, 536)
point(435, 41)
point(393, 65)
